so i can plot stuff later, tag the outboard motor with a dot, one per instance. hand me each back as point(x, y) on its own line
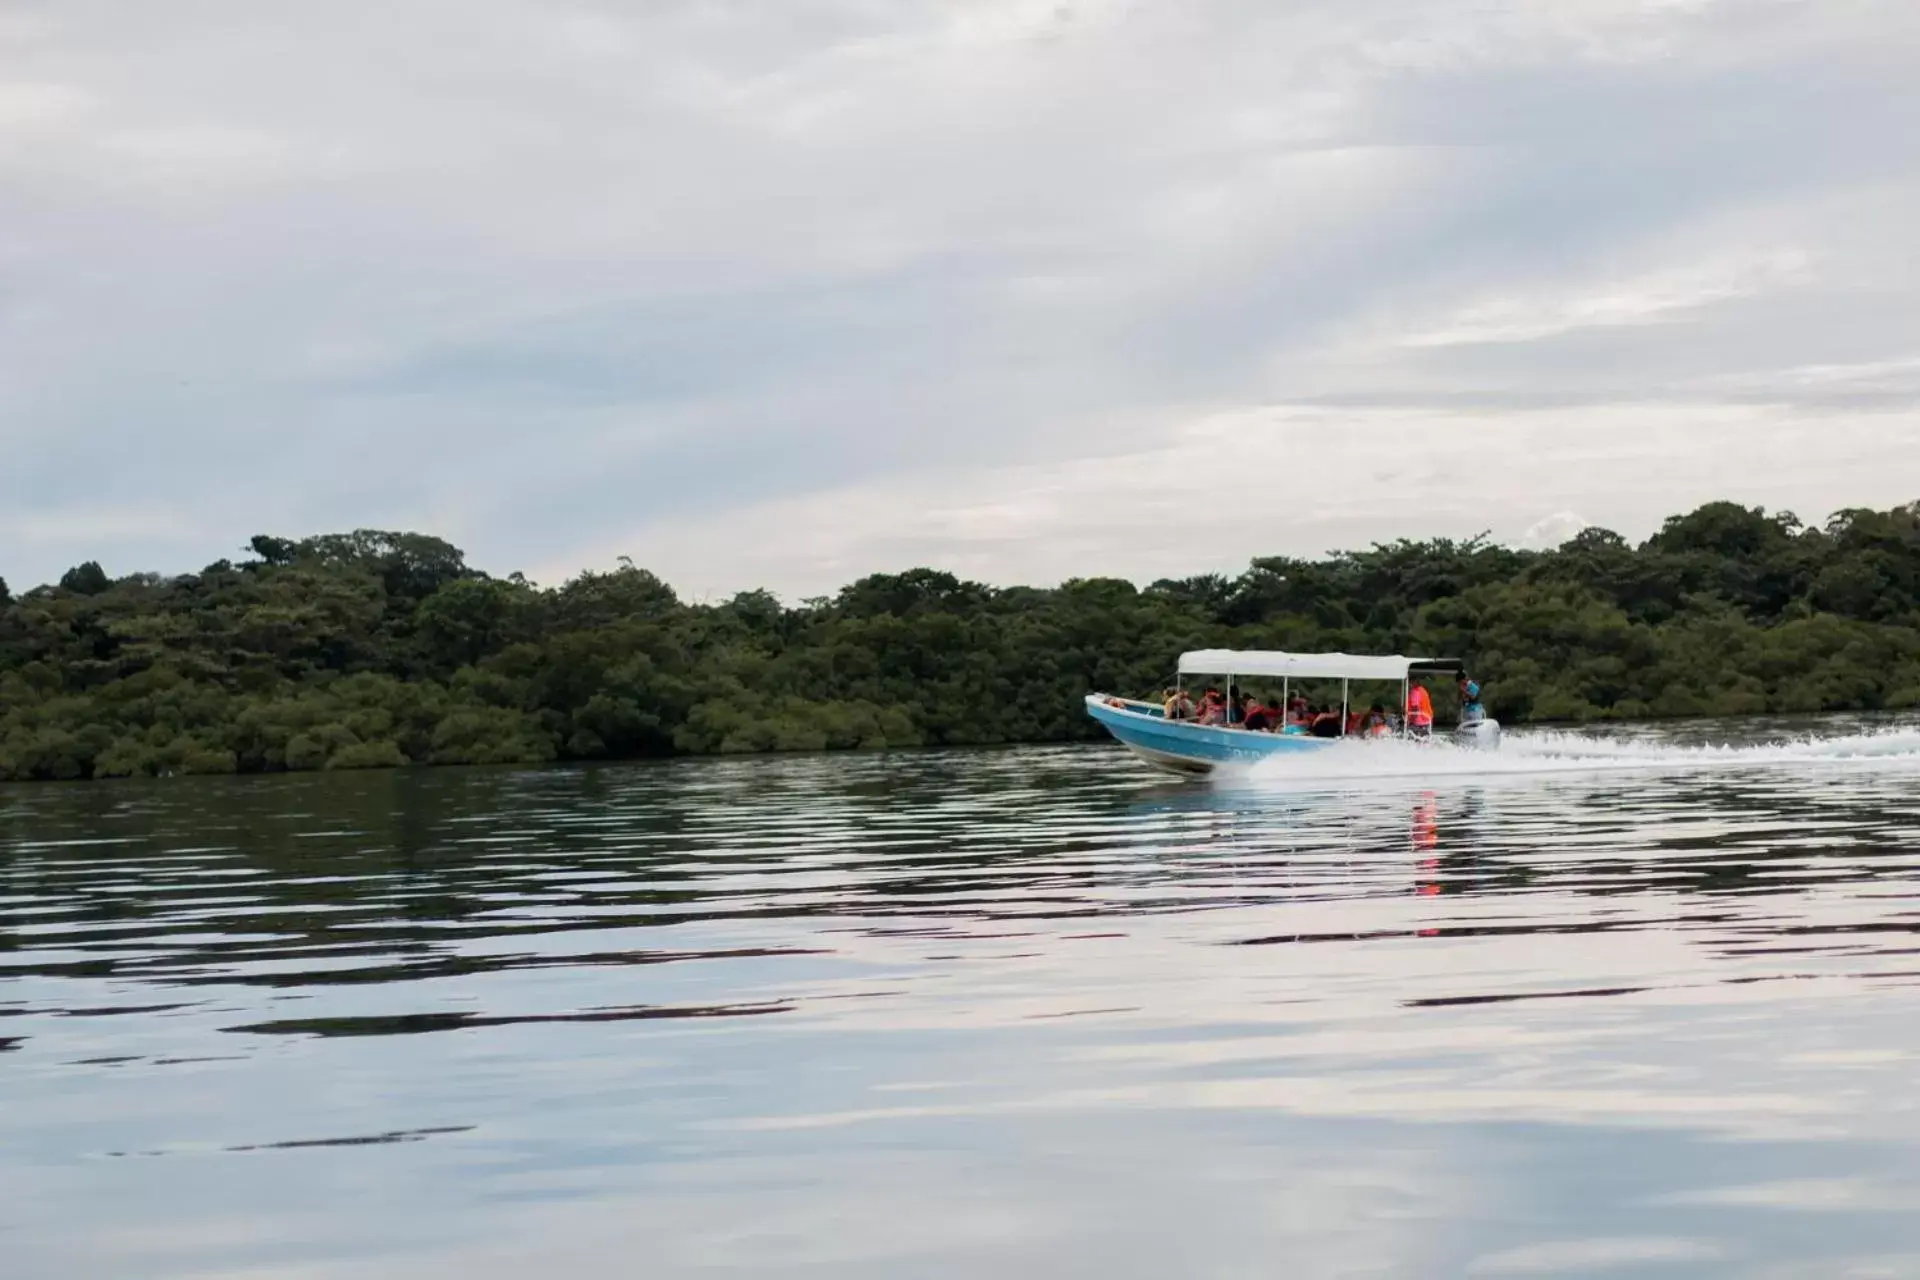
point(1482, 734)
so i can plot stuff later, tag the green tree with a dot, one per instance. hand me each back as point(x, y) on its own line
point(85, 579)
point(376, 649)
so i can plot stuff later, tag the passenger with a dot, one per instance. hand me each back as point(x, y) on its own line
point(1471, 710)
point(1375, 725)
point(1326, 724)
point(1256, 719)
point(1237, 707)
point(1275, 716)
point(1419, 711)
point(1213, 708)
point(1354, 720)
point(1178, 705)
point(1298, 710)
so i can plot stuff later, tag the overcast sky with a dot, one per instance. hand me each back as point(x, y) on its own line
point(784, 292)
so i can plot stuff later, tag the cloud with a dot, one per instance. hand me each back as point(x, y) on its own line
point(1294, 480)
point(1553, 530)
point(1658, 298)
point(554, 278)
point(1594, 1254)
point(66, 526)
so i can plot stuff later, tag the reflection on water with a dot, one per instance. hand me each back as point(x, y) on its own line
point(1632, 1004)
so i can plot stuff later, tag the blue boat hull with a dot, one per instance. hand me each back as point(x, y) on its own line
point(1184, 747)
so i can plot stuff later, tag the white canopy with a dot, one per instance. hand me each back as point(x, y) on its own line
point(1324, 666)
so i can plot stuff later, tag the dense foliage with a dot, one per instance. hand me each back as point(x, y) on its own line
point(374, 649)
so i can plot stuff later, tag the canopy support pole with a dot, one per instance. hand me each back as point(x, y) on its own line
point(1344, 699)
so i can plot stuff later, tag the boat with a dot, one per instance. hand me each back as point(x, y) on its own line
point(1188, 747)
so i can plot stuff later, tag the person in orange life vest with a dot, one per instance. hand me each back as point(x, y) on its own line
point(1426, 842)
point(1419, 710)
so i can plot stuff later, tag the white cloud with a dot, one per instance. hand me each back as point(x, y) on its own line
point(72, 525)
point(576, 277)
point(1598, 1253)
point(1902, 374)
point(1288, 480)
point(1552, 531)
point(1655, 298)
point(26, 108)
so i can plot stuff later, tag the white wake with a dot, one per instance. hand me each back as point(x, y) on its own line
point(1529, 753)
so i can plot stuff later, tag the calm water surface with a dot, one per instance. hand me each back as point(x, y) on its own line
point(1622, 1006)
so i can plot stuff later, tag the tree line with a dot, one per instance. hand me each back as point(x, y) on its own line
point(374, 649)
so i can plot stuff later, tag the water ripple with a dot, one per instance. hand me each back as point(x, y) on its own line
point(1623, 1002)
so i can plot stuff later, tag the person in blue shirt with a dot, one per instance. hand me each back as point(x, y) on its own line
point(1471, 710)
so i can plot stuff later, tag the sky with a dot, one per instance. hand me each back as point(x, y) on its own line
point(783, 293)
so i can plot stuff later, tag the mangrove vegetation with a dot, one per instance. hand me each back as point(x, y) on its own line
point(375, 649)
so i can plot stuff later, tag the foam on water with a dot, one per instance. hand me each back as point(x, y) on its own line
point(1543, 752)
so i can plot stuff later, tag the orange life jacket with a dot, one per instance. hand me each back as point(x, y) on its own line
point(1419, 707)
